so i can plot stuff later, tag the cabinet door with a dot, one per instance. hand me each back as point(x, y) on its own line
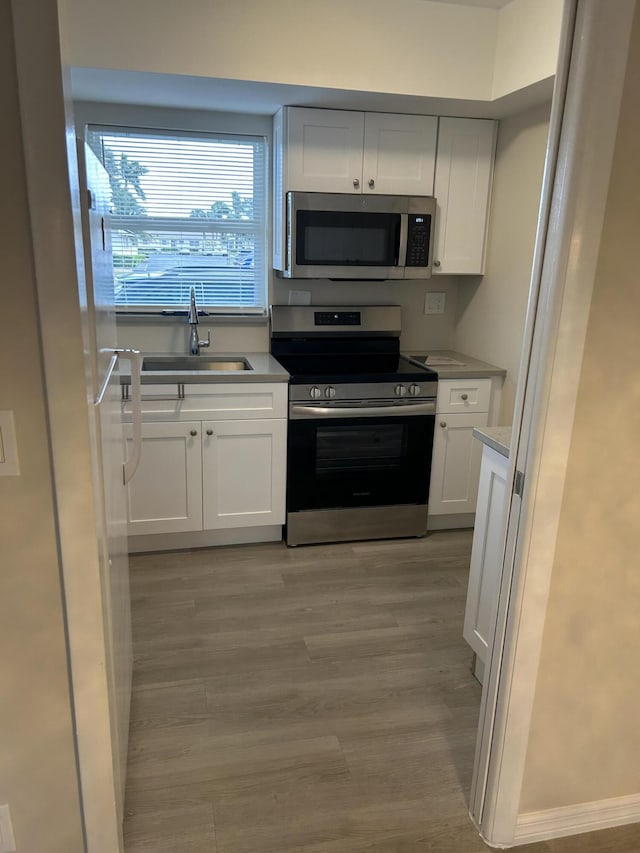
point(486, 553)
point(165, 495)
point(464, 168)
point(456, 464)
point(325, 150)
point(399, 154)
point(243, 473)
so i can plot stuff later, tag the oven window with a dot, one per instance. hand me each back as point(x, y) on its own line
point(328, 238)
point(352, 449)
point(350, 462)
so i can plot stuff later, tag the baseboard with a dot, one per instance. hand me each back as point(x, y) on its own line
point(451, 522)
point(573, 820)
point(204, 538)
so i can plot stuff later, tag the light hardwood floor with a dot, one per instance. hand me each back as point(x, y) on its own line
point(308, 700)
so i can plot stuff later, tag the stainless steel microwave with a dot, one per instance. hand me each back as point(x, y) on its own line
point(343, 236)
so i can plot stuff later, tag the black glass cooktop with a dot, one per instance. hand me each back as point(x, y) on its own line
point(352, 367)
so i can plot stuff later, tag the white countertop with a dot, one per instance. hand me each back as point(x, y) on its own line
point(450, 364)
point(499, 438)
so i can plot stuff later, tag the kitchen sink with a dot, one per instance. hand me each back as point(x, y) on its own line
point(189, 363)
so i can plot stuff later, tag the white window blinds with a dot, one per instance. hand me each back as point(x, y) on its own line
point(188, 210)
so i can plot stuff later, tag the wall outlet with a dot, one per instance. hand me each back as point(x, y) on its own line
point(7, 840)
point(434, 302)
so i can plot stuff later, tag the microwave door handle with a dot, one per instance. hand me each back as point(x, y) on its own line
point(402, 247)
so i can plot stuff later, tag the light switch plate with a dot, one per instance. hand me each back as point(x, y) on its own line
point(434, 302)
point(7, 839)
point(9, 466)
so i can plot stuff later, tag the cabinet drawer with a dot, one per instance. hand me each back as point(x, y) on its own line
point(219, 401)
point(464, 395)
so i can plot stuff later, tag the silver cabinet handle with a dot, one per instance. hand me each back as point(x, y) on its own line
point(443, 424)
point(356, 183)
point(464, 396)
point(436, 263)
point(193, 432)
point(209, 432)
point(372, 183)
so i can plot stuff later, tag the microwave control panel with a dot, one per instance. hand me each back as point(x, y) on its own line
point(419, 229)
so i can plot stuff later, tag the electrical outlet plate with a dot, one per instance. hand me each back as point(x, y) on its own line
point(434, 302)
point(299, 297)
point(7, 840)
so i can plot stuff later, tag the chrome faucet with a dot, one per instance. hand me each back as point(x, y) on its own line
point(194, 341)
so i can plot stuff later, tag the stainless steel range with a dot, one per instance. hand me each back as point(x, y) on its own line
point(361, 423)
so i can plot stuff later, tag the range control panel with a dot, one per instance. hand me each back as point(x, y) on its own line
point(419, 229)
point(337, 318)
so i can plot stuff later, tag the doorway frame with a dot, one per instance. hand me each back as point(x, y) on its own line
point(585, 109)
point(50, 164)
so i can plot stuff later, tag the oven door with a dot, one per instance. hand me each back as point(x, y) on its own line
point(347, 456)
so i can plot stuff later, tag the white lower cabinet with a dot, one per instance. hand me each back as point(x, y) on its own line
point(486, 554)
point(165, 496)
point(456, 463)
point(201, 468)
point(243, 473)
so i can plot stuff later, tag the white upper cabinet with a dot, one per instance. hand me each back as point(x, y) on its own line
point(399, 154)
point(344, 151)
point(324, 150)
point(464, 169)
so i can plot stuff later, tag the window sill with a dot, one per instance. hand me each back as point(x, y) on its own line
point(129, 317)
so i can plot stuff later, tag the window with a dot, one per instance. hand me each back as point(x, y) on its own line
point(188, 210)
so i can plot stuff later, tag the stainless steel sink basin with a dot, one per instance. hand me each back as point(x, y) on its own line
point(188, 363)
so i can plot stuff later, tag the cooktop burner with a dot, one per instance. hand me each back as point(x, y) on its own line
point(345, 344)
point(322, 367)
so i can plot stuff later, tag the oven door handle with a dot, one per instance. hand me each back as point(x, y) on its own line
point(393, 410)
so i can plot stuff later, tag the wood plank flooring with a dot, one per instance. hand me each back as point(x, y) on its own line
point(308, 700)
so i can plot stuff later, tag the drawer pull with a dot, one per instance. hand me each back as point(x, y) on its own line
point(209, 432)
point(151, 398)
point(464, 396)
point(193, 432)
point(443, 424)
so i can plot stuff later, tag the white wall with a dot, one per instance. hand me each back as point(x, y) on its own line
point(526, 44)
point(421, 48)
point(37, 754)
point(584, 738)
point(419, 331)
point(491, 310)
point(406, 47)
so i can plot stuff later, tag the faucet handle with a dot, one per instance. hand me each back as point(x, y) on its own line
point(206, 343)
